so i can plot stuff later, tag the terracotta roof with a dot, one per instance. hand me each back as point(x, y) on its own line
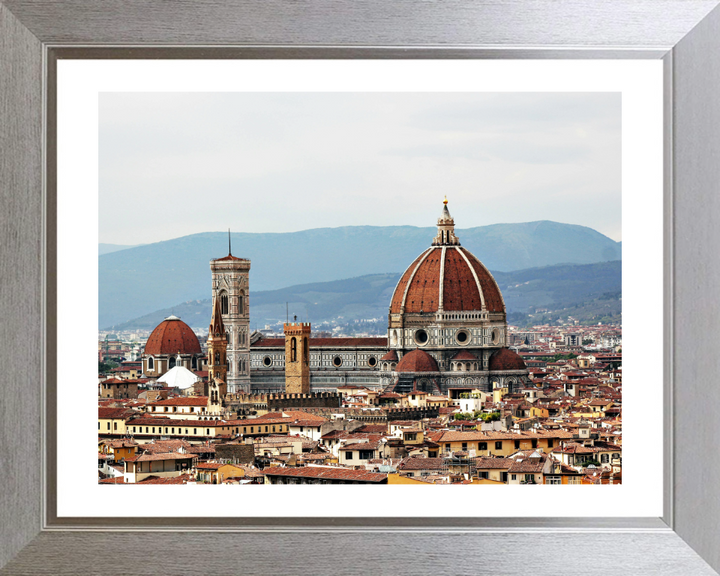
point(493, 463)
point(107, 413)
point(390, 356)
point(230, 258)
point(415, 463)
point(327, 474)
point(182, 479)
point(417, 361)
point(464, 355)
point(161, 456)
point(171, 336)
point(324, 342)
point(419, 287)
point(505, 359)
point(182, 401)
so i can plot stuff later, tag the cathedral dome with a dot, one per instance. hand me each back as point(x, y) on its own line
point(505, 359)
point(172, 336)
point(417, 361)
point(446, 277)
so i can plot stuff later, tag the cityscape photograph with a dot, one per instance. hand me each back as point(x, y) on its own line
point(356, 288)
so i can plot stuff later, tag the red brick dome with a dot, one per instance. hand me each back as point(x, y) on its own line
point(464, 355)
point(505, 359)
point(390, 356)
point(461, 282)
point(171, 336)
point(417, 361)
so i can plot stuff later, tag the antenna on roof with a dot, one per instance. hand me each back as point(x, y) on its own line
point(229, 244)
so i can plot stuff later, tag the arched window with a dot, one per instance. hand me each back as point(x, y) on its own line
point(241, 303)
point(151, 363)
point(171, 362)
point(293, 349)
point(305, 351)
point(194, 363)
point(224, 307)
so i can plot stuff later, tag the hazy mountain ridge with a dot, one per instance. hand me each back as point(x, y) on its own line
point(135, 281)
point(588, 289)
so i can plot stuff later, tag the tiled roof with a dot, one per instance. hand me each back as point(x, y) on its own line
point(417, 361)
point(419, 288)
point(390, 356)
point(505, 359)
point(115, 413)
point(182, 401)
point(326, 474)
point(161, 456)
point(415, 463)
point(325, 343)
point(464, 355)
point(172, 336)
point(360, 446)
point(493, 463)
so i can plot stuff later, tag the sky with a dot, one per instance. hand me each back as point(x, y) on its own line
point(173, 164)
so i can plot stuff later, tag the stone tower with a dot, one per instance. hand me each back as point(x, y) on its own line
point(297, 358)
point(230, 291)
point(217, 346)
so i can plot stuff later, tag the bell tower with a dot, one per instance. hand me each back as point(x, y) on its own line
point(297, 357)
point(230, 291)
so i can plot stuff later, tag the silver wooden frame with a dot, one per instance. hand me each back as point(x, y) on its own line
point(685, 34)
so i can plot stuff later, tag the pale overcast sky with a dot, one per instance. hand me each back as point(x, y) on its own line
point(178, 164)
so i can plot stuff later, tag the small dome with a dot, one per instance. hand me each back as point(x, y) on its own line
point(390, 356)
point(464, 355)
point(179, 377)
point(505, 359)
point(417, 361)
point(172, 336)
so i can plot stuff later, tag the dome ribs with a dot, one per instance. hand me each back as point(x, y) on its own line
point(397, 299)
point(424, 292)
point(460, 291)
point(171, 337)
point(493, 298)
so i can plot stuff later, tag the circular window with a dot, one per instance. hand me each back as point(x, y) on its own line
point(337, 361)
point(421, 337)
point(462, 336)
point(372, 361)
point(267, 361)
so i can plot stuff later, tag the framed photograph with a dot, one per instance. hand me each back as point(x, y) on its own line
point(68, 69)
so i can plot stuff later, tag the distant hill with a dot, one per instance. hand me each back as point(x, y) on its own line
point(108, 248)
point(590, 289)
point(136, 281)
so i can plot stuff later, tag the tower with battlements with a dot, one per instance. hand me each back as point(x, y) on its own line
point(297, 357)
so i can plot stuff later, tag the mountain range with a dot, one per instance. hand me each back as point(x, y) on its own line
point(587, 288)
point(137, 281)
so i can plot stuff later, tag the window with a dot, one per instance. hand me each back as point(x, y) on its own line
point(553, 480)
point(348, 455)
point(464, 445)
point(293, 349)
point(173, 430)
point(447, 447)
point(337, 361)
point(604, 458)
point(550, 443)
point(514, 477)
point(517, 444)
point(108, 425)
point(498, 445)
point(534, 443)
point(207, 431)
point(267, 361)
point(306, 357)
point(224, 303)
point(483, 475)
point(482, 445)
point(151, 363)
point(115, 428)
point(194, 430)
point(252, 429)
point(529, 478)
point(366, 454)
point(171, 362)
point(266, 428)
point(273, 428)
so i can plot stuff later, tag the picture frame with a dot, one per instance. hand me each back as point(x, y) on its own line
point(685, 35)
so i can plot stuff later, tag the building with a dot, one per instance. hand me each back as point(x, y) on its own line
point(172, 343)
point(231, 288)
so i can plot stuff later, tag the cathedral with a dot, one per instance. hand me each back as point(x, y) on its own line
point(447, 329)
